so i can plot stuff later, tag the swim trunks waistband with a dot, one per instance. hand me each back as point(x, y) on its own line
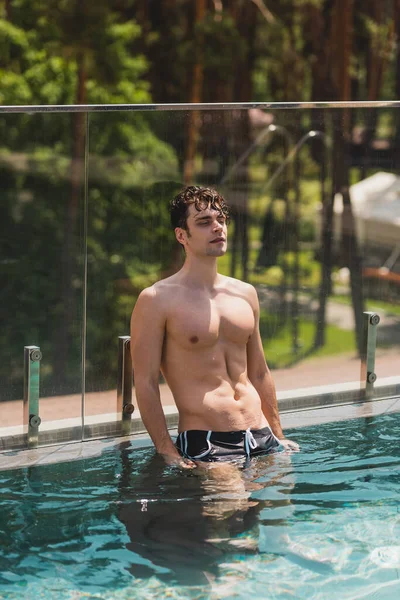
point(226, 445)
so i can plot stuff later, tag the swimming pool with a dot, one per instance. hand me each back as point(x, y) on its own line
point(319, 524)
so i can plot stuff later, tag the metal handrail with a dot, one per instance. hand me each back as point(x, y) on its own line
point(31, 419)
point(124, 383)
point(70, 108)
point(368, 375)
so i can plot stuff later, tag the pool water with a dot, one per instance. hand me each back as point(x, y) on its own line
point(322, 523)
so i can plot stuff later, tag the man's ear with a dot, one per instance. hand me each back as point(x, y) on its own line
point(180, 235)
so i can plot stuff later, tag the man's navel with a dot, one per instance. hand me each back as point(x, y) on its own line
point(194, 339)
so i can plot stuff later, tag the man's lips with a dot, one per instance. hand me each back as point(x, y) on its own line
point(219, 239)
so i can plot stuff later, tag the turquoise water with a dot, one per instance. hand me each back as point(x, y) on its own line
point(320, 524)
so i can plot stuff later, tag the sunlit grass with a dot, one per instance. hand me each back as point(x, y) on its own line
point(278, 341)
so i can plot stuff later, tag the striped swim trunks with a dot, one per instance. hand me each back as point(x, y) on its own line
point(204, 445)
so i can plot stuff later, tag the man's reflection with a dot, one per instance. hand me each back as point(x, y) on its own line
point(184, 524)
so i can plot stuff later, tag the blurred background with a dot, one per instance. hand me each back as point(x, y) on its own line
point(315, 192)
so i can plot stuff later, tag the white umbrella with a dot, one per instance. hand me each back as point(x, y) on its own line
point(376, 208)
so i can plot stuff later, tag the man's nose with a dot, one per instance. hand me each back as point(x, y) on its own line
point(218, 226)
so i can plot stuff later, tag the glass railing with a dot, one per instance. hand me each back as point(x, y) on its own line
point(42, 262)
point(315, 202)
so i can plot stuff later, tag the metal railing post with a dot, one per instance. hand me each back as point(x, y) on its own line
point(368, 376)
point(31, 420)
point(124, 383)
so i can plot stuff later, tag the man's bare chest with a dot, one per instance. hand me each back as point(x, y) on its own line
point(201, 322)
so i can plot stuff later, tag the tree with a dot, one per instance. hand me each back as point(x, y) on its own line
point(196, 92)
point(341, 36)
point(80, 32)
point(42, 203)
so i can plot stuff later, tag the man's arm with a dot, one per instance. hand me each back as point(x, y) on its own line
point(260, 375)
point(147, 336)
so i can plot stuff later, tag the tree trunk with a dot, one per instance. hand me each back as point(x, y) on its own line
point(340, 42)
point(397, 84)
point(377, 59)
point(245, 18)
point(286, 240)
point(353, 260)
point(71, 244)
point(8, 9)
point(234, 243)
point(194, 118)
point(294, 305)
point(326, 254)
point(342, 142)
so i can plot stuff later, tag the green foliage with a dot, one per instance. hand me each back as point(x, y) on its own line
point(307, 230)
point(309, 272)
point(49, 43)
point(287, 263)
point(11, 36)
point(217, 35)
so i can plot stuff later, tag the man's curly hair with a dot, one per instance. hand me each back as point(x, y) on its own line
point(202, 198)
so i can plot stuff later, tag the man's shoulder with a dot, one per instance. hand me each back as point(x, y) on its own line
point(239, 286)
point(159, 291)
point(149, 306)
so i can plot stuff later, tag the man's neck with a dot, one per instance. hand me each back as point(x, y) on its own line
point(200, 272)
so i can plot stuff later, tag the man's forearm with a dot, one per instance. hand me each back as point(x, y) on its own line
point(152, 414)
point(266, 390)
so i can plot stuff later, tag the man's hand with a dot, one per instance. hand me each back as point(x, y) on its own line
point(176, 460)
point(290, 445)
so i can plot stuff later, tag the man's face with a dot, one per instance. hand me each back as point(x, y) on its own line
point(206, 234)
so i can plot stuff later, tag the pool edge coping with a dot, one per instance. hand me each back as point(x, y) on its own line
point(104, 426)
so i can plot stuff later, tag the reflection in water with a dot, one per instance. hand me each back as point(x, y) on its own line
point(191, 522)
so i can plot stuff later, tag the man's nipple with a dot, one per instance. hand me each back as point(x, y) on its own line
point(194, 339)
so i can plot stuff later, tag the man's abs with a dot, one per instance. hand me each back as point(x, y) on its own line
point(218, 410)
point(212, 396)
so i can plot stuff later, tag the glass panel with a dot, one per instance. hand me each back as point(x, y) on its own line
point(276, 169)
point(42, 264)
point(375, 218)
point(300, 232)
point(133, 173)
point(376, 203)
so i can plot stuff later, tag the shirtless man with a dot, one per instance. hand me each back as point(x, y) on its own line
point(201, 329)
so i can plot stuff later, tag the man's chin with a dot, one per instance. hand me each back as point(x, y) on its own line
point(216, 251)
